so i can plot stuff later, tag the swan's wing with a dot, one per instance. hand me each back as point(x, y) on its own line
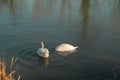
point(65, 47)
point(43, 52)
point(39, 52)
point(46, 50)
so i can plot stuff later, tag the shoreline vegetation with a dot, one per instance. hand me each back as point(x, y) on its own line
point(11, 74)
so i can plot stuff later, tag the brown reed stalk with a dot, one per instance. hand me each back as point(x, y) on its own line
point(3, 74)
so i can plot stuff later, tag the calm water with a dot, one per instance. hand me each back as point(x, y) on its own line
point(93, 25)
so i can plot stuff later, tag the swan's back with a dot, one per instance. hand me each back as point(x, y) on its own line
point(65, 47)
point(43, 52)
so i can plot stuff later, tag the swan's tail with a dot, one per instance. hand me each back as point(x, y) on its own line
point(76, 47)
point(42, 44)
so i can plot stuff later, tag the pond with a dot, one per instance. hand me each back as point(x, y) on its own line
point(93, 25)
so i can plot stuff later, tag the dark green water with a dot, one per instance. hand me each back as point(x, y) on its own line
point(93, 25)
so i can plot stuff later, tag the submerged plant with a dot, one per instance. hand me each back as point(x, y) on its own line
point(3, 73)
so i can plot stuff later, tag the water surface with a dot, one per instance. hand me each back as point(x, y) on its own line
point(93, 25)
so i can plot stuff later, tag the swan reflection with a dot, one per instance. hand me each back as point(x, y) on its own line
point(43, 61)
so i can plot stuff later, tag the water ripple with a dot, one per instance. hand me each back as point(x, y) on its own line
point(26, 54)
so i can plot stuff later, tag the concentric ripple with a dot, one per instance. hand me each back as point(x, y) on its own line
point(26, 54)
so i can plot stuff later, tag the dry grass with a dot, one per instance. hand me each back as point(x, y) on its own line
point(10, 75)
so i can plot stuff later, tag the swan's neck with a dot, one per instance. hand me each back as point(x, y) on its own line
point(42, 45)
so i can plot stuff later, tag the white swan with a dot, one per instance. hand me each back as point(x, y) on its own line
point(65, 48)
point(43, 52)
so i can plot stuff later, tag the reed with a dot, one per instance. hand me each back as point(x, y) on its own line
point(3, 73)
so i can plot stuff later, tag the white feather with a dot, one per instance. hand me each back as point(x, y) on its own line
point(65, 47)
point(43, 52)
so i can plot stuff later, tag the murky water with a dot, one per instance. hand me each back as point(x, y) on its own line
point(93, 25)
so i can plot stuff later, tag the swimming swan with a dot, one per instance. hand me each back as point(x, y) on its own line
point(43, 52)
point(65, 47)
